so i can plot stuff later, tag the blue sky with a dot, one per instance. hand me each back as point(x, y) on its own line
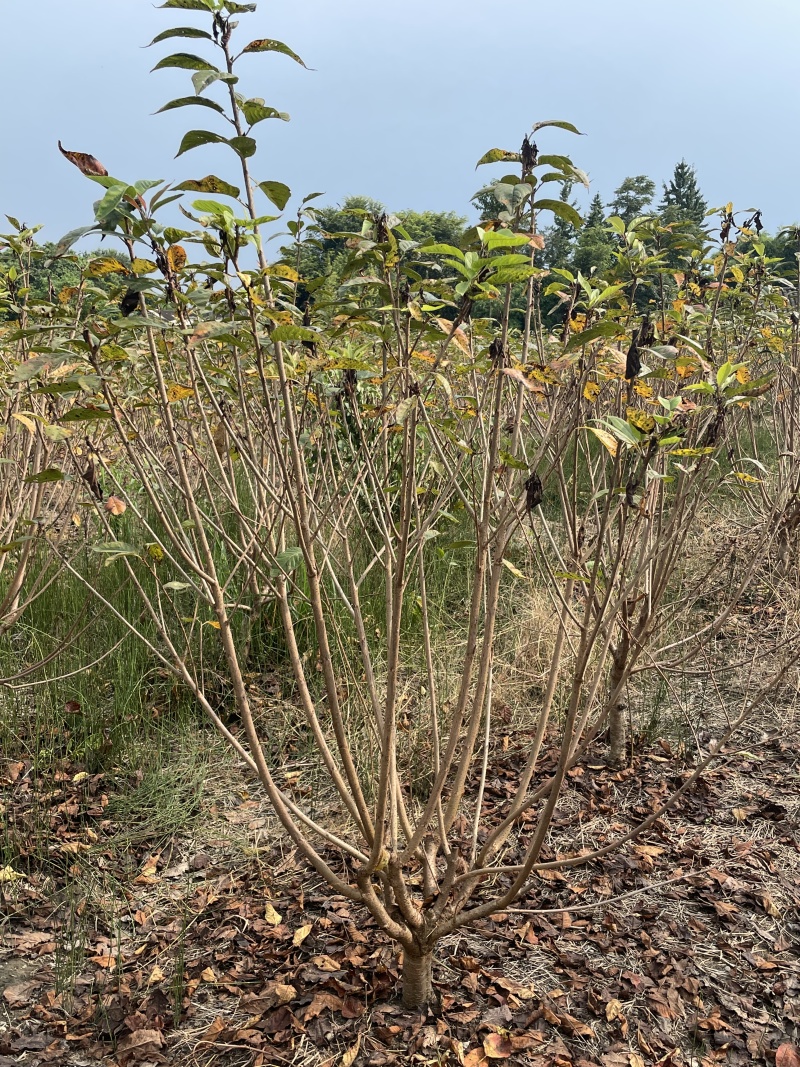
point(405, 97)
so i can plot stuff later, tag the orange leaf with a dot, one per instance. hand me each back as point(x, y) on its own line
point(116, 506)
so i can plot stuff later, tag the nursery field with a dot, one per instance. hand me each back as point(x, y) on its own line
point(399, 618)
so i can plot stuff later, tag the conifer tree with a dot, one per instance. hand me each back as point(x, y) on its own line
point(633, 197)
point(683, 201)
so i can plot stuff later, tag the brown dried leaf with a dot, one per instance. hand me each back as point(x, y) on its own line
point(323, 1002)
point(301, 934)
point(497, 1046)
point(85, 163)
point(19, 995)
point(787, 1056)
point(349, 1057)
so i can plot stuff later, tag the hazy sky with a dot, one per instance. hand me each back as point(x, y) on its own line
point(406, 96)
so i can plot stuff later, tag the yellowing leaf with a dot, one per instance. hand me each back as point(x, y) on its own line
point(606, 439)
point(155, 552)
point(29, 424)
point(105, 265)
point(509, 566)
point(178, 392)
point(301, 934)
point(214, 623)
point(643, 389)
point(176, 257)
point(640, 419)
point(143, 266)
point(67, 293)
point(743, 375)
point(591, 391)
point(81, 776)
point(8, 874)
point(272, 916)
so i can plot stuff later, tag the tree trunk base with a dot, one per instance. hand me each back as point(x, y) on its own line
point(417, 980)
point(617, 740)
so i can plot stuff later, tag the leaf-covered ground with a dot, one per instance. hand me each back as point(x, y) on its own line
point(215, 947)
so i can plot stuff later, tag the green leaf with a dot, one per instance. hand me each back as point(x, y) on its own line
point(210, 184)
point(498, 155)
point(559, 124)
point(239, 9)
point(441, 250)
point(623, 431)
point(512, 275)
point(276, 192)
point(86, 414)
point(294, 333)
point(201, 79)
point(52, 474)
point(115, 550)
point(196, 138)
point(69, 239)
point(561, 209)
point(288, 561)
point(256, 111)
point(181, 31)
point(265, 44)
point(189, 5)
point(185, 61)
point(606, 328)
point(245, 147)
point(186, 101)
point(177, 586)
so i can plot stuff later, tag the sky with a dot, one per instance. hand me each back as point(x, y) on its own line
point(404, 97)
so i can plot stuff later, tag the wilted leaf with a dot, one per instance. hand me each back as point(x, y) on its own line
point(85, 163)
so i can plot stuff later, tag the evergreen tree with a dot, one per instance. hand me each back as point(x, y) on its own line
point(596, 215)
point(633, 197)
point(683, 201)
